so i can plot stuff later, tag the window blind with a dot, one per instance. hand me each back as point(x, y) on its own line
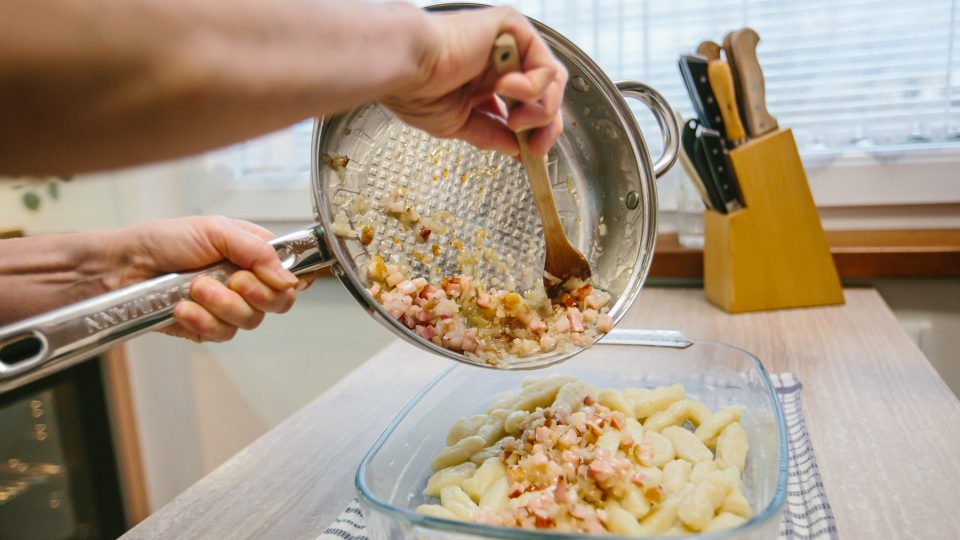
point(844, 74)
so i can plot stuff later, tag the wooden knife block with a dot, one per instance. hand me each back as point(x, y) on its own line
point(773, 253)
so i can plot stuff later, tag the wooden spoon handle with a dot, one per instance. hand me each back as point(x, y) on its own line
point(506, 59)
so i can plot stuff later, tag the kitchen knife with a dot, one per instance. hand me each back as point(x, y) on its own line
point(720, 167)
point(709, 50)
point(741, 49)
point(694, 151)
point(686, 161)
point(721, 81)
point(693, 69)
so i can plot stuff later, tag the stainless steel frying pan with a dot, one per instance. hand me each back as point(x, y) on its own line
point(603, 180)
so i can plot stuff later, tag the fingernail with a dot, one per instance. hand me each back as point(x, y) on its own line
point(285, 275)
point(199, 282)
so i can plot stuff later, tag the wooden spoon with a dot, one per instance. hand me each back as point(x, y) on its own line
point(563, 261)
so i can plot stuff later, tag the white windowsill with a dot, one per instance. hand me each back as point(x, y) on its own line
point(860, 181)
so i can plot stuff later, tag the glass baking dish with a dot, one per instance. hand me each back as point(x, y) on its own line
point(391, 478)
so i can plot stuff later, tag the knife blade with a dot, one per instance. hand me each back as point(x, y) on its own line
point(721, 81)
point(741, 49)
point(721, 168)
point(694, 151)
point(686, 161)
point(693, 69)
point(709, 50)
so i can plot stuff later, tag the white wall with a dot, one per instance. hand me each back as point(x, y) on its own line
point(929, 311)
point(197, 405)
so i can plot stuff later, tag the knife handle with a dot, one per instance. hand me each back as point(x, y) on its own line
point(686, 161)
point(709, 50)
point(734, 70)
point(718, 72)
point(742, 49)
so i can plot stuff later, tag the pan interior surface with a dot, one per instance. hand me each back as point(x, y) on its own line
point(476, 213)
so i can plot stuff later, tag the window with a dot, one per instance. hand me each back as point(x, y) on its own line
point(867, 85)
point(842, 74)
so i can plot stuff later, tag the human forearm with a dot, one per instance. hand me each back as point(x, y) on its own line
point(41, 273)
point(90, 85)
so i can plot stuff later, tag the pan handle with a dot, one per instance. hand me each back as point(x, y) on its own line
point(80, 330)
point(665, 117)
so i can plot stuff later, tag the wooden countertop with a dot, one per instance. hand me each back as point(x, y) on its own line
point(883, 424)
point(933, 253)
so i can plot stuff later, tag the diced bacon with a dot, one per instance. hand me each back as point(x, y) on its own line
point(406, 287)
point(427, 332)
point(470, 343)
point(600, 470)
point(581, 511)
point(452, 286)
point(537, 326)
point(561, 490)
point(446, 308)
point(410, 316)
point(426, 291)
point(596, 301)
point(394, 278)
point(570, 438)
point(543, 520)
point(484, 300)
point(604, 322)
point(539, 460)
point(576, 319)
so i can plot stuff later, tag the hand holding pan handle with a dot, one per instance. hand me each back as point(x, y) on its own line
point(80, 330)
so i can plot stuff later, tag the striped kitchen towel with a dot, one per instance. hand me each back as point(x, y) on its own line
point(806, 514)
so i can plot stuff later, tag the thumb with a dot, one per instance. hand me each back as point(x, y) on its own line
point(250, 252)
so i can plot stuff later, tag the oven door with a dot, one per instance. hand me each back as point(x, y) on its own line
point(58, 470)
